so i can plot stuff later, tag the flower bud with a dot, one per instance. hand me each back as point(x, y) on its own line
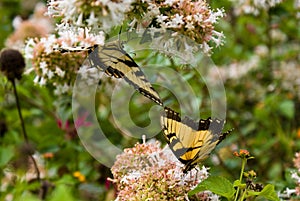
point(12, 63)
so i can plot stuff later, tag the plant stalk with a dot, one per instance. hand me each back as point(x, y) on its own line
point(24, 130)
point(244, 161)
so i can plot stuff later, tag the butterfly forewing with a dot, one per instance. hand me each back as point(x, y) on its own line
point(115, 62)
point(119, 64)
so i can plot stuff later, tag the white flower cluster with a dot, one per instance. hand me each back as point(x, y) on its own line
point(187, 21)
point(193, 19)
point(287, 193)
point(253, 7)
point(57, 69)
point(37, 25)
point(289, 74)
point(234, 70)
point(104, 14)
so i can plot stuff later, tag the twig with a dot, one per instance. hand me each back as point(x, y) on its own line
point(24, 130)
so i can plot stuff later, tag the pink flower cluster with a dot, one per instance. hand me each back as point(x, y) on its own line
point(147, 172)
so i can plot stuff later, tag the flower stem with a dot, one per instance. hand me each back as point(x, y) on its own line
point(244, 161)
point(23, 129)
point(243, 168)
point(243, 195)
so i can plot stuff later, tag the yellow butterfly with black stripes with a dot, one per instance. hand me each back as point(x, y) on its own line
point(115, 62)
point(190, 141)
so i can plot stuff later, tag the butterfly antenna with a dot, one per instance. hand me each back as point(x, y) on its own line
point(120, 33)
point(119, 38)
point(120, 30)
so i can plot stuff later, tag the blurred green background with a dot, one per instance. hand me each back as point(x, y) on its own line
point(261, 69)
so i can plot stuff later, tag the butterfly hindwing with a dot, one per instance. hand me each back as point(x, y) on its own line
point(115, 62)
point(191, 142)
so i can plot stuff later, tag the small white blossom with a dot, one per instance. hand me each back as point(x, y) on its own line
point(43, 65)
point(170, 2)
point(29, 48)
point(153, 10)
point(289, 192)
point(217, 38)
point(161, 18)
point(131, 176)
point(79, 22)
point(50, 74)
point(177, 20)
point(42, 81)
point(216, 15)
point(36, 79)
point(189, 18)
point(206, 48)
point(48, 43)
point(59, 72)
point(61, 89)
point(198, 17)
point(296, 177)
point(92, 21)
point(213, 197)
point(189, 25)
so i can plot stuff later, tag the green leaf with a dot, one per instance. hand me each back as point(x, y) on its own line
point(251, 193)
point(237, 183)
point(216, 184)
point(62, 192)
point(287, 108)
point(268, 193)
point(6, 153)
point(66, 179)
point(27, 197)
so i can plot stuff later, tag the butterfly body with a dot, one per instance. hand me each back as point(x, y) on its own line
point(190, 141)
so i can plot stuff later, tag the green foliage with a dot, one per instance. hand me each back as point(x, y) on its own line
point(27, 197)
point(264, 110)
point(218, 185)
point(62, 192)
point(222, 187)
point(6, 154)
point(8, 9)
point(237, 191)
point(268, 192)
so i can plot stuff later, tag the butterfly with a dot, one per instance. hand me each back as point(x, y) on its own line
point(190, 141)
point(116, 62)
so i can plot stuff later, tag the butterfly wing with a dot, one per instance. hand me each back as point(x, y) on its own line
point(115, 62)
point(191, 142)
